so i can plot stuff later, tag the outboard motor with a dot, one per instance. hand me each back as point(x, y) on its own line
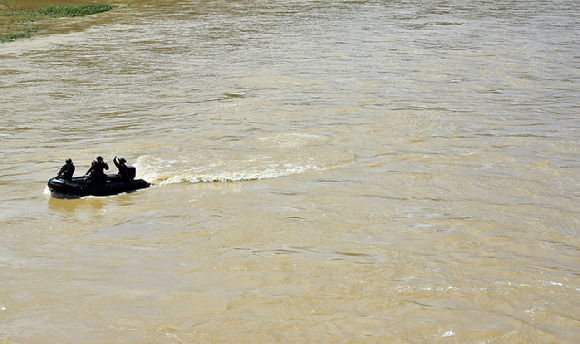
point(131, 172)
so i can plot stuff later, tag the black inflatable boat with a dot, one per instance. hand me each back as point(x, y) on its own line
point(79, 187)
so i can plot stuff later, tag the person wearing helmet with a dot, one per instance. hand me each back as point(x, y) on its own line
point(123, 170)
point(95, 174)
point(67, 170)
point(90, 176)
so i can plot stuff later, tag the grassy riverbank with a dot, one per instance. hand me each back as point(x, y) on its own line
point(16, 23)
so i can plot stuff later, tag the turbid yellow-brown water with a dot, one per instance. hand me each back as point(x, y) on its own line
point(322, 172)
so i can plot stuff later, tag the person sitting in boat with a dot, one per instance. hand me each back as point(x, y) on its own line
point(123, 170)
point(90, 176)
point(67, 170)
point(95, 174)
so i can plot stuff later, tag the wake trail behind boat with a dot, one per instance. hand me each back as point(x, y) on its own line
point(156, 175)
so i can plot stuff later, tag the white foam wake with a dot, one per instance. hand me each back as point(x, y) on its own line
point(159, 172)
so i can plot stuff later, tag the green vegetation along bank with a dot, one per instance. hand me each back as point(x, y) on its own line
point(15, 24)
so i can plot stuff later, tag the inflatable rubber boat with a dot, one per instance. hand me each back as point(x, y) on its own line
point(79, 187)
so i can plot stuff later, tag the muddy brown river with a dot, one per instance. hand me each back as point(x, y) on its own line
point(322, 172)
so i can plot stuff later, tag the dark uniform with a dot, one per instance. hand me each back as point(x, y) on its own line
point(95, 174)
point(66, 172)
point(123, 170)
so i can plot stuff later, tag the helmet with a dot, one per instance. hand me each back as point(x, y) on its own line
point(122, 160)
point(99, 158)
point(68, 161)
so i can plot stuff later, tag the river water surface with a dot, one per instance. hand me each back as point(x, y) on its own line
point(322, 172)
